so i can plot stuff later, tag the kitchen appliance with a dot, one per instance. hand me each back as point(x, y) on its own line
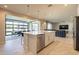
point(76, 33)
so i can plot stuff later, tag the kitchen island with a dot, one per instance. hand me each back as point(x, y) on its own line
point(35, 41)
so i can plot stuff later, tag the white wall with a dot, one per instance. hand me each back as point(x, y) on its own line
point(54, 25)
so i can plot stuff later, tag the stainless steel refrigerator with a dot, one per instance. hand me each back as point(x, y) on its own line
point(76, 33)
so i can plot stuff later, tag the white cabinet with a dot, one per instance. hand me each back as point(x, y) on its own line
point(49, 37)
point(34, 42)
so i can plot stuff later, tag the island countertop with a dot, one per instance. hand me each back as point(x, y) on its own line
point(34, 32)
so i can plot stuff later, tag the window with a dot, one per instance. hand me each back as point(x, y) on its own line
point(49, 25)
point(35, 26)
point(15, 25)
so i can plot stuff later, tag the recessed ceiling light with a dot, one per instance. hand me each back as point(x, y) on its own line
point(66, 5)
point(5, 6)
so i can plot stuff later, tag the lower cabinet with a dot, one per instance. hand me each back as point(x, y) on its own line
point(49, 37)
point(34, 43)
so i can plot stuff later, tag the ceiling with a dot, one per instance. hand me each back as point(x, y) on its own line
point(54, 13)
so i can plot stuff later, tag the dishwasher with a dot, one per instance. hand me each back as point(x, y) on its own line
point(40, 42)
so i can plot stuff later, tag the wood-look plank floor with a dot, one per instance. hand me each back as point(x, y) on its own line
point(61, 46)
